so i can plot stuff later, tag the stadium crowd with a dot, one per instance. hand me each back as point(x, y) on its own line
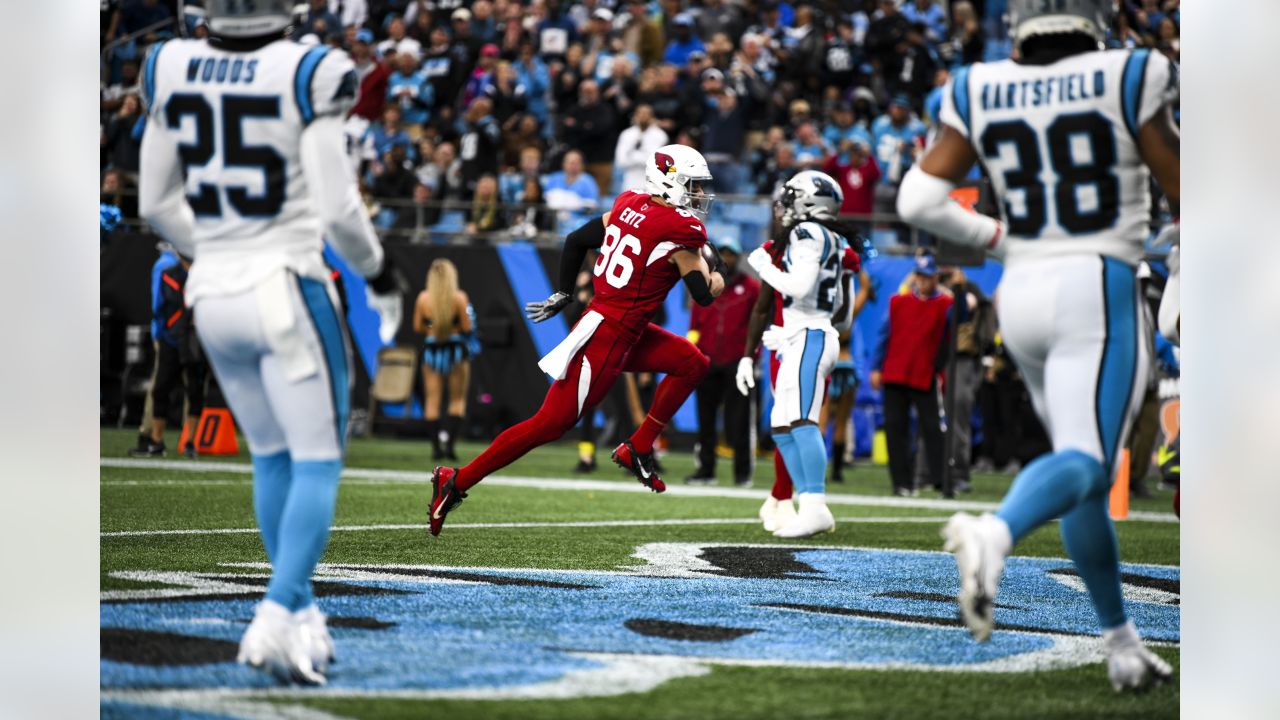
point(499, 115)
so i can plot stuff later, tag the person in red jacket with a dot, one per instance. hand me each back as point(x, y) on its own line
point(906, 369)
point(721, 329)
point(856, 170)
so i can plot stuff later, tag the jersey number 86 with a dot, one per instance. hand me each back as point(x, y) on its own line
point(613, 262)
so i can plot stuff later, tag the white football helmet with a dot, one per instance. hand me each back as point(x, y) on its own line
point(1030, 18)
point(239, 19)
point(679, 174)
point(810, 195)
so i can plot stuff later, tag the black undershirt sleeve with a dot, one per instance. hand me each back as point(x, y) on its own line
point(576, 245)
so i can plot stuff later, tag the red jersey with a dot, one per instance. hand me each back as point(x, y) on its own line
point(632, 274)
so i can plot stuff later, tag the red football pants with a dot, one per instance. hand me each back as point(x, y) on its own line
point(591, 374)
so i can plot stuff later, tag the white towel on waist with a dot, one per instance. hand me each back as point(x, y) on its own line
point(556, 362)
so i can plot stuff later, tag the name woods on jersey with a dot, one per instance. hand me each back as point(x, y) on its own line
point(1067, 133)
point(243, 168)
point(814, 286)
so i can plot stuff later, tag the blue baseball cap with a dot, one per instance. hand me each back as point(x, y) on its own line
point(729, 243)
point(364, 35)
point(900, 99)
point(926, 265)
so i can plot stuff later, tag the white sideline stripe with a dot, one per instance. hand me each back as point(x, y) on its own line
point(938, 520)
point(366, 476)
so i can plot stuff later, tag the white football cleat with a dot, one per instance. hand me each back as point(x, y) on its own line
point(275, 643)
point(811, 519)
point(767, 512)
point(980, 545)
point(1130, 665)
point(783, 513)
point(315, 635)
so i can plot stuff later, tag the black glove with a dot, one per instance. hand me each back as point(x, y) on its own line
point(549, 308)
point(389, 280)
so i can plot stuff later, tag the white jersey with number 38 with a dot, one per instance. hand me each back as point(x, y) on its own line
point(1060, 144)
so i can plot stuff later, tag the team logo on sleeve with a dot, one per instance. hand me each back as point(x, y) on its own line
point(664, 162)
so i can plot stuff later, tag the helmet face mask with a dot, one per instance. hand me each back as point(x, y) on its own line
point(1038, 18)
point(248, 18)
point(809, 195)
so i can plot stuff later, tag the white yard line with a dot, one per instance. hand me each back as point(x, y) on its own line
point(520, 525)
point(365, 476)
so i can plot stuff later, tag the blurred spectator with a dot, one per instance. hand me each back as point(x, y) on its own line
point(641, 35)
point(412, 91)
point(750, 77)
point(484, 215)
point(533, 216)
point(138, 14)
point(720, 52)
point(855, 169)
point(913, 67)
point(508, 95)
point(564, 85)
point(723, 133)
point(805, 43)
point(122, 137)
point(968, 42)
point(384, 135)
point(719, 16)
point(595, 36)
point(571, 192)
point(480, 144)
point(609, 56)
point(484, 28)
point(524, 134)
point(317, 21)
point(620, 89)
point(482, 75)
point(512, 184)
point(721, 329)
point(775, 162)
point(114, 94)
point(466, 46)
point(374, 77)
point(665, 99)
point(443, 173)
point(684, 42)
point(351, 13)
point(398, 41)
point(843, 127)
point(555, 33)
point(445, 69)
point(810, 149)
point(396, 180)
point(899, 137)
point(533, 74)
point(592, 128)
point(842, 56)
point(929, 13)
point(636, 146)
point(905, 369)
point(420, 27)
point(885, 34)
point(113, 194)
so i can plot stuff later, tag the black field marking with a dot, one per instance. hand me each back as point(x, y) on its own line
point(1143, 581)
point(358, 622)
point(470, 577)
point(921, 619)
point(145, 647)
point(754, 562)
point(254, 587)
point(669, 630)
point(931, 597)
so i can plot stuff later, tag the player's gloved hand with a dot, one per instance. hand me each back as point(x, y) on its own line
point(385, 294)
point(549, 308)
point(746, 375)
point(759, 259)
point(851, 261)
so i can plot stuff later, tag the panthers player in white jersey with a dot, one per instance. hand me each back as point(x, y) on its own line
point(1070, 136)
point(243, 168)
point(815, 290)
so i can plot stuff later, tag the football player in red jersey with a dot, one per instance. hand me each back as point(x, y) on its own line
point(647, 242)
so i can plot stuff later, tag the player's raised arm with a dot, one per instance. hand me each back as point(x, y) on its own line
point(924, 200)
point(590, 236)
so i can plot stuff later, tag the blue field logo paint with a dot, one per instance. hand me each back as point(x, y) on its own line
point(435, 632)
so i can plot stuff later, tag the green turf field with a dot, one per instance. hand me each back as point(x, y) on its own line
point(526, 622)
